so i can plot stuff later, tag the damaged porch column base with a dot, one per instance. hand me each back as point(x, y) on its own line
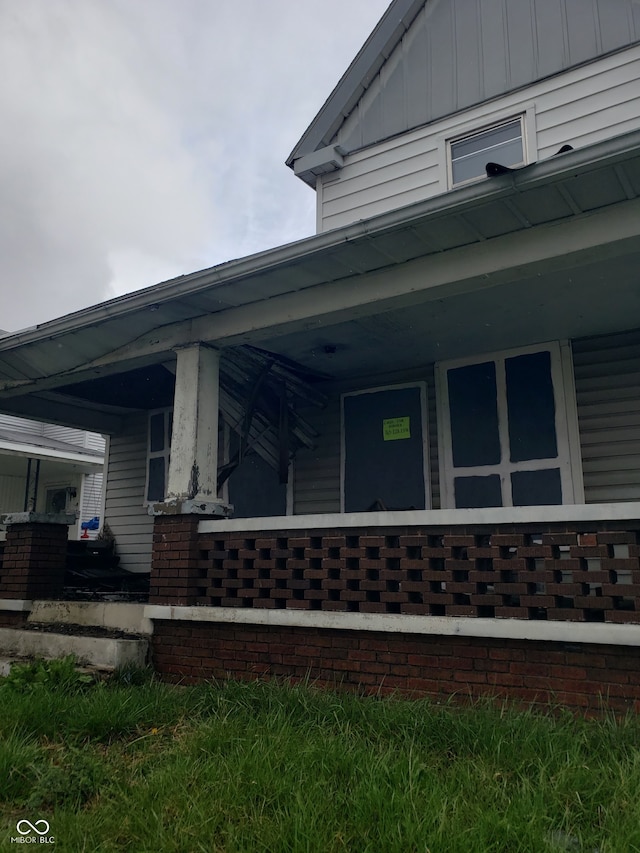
point(192, 488)
point(35, 555)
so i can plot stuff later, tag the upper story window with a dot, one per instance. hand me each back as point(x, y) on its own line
point(502, 143)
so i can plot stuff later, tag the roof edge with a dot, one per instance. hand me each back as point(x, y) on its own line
point(354, 82)
point(580, 159)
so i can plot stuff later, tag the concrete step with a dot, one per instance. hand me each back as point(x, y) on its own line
point(99, 648)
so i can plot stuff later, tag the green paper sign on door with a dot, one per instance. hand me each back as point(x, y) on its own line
point(396, 428)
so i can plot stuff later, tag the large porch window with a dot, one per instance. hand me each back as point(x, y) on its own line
point(507, 429)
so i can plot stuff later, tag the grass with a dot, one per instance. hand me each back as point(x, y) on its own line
point(267, 767)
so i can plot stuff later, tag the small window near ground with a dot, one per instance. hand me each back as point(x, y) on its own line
point(502, 143)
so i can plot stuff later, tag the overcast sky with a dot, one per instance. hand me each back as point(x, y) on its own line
point(143, 139)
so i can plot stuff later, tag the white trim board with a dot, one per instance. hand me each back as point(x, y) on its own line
point(449, 626)
point(627, 511)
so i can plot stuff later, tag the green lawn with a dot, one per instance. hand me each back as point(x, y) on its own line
point(266, 767)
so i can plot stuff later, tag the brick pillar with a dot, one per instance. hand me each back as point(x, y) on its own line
point(34, 562)
point(175, 560)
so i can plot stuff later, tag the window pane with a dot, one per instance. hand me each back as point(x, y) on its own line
point(507, 154)
point(474, 415)
point(535, 488)
point(155, 492)
point(156, 432)
point(501, 145)
point(487, 139)
point(478, 491)
point(531, 407)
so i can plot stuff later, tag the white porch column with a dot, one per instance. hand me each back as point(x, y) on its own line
point(193, 466)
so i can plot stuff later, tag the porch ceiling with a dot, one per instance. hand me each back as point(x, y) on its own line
point(548, 251)
point(584, 297)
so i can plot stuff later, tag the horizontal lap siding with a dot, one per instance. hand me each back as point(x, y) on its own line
point(582, 106)
point(91, 498)
point(125, 510)
point(11, 493)
point(21, 424)
point(317, 471)
point(607, 371)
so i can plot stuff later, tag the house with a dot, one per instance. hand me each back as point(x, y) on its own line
point(403, 453)
point(49, 468)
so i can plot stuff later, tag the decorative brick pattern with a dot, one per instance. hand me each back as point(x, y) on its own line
point(585, 678)
point(585, 573)
point(34, 561)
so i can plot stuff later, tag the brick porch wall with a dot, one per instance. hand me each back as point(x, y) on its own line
point(583, 677)
point(34, 561)
point(582, 572)
point(577, 572)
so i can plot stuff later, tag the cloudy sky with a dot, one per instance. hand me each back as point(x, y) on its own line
point(143, 139)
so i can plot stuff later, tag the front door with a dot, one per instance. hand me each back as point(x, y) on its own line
point(384, 440)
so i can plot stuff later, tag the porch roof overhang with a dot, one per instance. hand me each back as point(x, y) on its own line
point(434, 262)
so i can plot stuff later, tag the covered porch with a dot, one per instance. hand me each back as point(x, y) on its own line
point(439, 437)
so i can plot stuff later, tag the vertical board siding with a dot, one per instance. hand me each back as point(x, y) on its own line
point(607, 371)
point(459, 53)
point(583, 106)
point(125, 507)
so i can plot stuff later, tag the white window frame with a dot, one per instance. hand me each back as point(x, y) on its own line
point(422, 388)
point(157, 454)
point(566, 422)
point(469, 129)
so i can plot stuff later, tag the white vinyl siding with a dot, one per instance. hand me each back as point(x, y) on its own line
point(607, 371)
point(316, 473)
point(70, 435)
point(126, 510)
point(580, 107)
point(20, 425)
point(91, 499)
point(11, 493)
